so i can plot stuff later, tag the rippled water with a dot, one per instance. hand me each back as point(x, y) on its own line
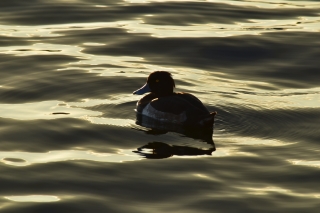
point(69, 138)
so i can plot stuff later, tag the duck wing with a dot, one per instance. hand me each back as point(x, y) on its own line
point(181, 108)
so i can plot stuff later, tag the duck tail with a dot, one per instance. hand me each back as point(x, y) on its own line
point(213, 113)
point(208, 120)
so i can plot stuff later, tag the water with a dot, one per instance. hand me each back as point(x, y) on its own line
point(69, 138)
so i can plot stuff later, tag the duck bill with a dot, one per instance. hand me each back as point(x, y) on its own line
point(142, 90)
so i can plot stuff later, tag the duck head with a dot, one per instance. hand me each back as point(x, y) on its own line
point(159, 82)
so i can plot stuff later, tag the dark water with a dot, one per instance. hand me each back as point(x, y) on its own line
point(69, 141)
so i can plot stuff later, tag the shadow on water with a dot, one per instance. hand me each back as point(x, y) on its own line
point(159, 150)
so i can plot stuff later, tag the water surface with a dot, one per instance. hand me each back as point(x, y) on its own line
point(69, 137)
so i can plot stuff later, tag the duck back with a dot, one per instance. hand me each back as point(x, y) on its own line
point(180, 108)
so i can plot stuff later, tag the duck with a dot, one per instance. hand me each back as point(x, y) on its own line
point(163, 104)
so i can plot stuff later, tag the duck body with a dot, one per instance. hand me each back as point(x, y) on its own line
point(164, 105)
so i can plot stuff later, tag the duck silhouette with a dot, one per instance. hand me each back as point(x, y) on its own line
point(164, 105)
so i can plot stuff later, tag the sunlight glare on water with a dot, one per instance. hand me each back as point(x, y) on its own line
point(33, 198)
point(27, 158)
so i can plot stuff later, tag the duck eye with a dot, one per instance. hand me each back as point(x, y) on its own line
point(157, 80)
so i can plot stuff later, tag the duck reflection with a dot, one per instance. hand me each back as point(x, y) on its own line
point(158, 150)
